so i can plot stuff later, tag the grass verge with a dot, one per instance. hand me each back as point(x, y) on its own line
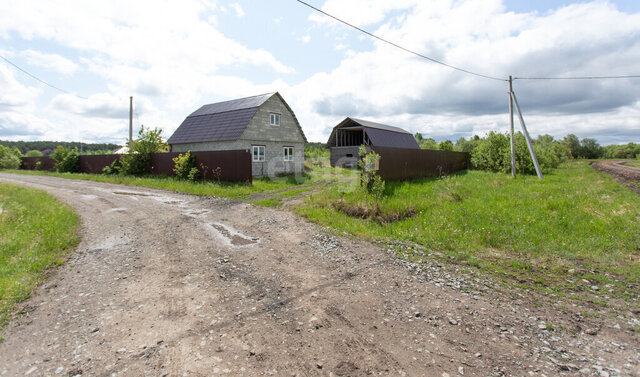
point(635, 163)
point(573, 232)
point(205, 188)
point(36, 232)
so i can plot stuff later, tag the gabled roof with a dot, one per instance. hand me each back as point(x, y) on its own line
point(378, 134)
point(221, 121)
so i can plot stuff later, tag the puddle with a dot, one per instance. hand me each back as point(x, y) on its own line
point(231, 236)
point(132, 193)
point(115, 210)
point(87, 196)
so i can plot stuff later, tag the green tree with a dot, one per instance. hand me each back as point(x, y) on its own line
point(446, 145)
point(10, 157)
point(573, 144)
point(66, 159)
point(138, 159)
point(428, 143)
point(33, 153)
point(589, 148)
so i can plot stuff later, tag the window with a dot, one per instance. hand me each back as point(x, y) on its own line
point(258, 153)
point(274, 119)
point(288, 153)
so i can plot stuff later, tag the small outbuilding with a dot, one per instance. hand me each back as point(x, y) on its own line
point(349, 134)
point(264, 125)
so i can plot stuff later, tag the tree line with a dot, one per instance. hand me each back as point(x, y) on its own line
point(86, 148)
point(493, 151)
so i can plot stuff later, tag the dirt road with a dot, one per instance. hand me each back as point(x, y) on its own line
point(627, 175)
point(178, 285)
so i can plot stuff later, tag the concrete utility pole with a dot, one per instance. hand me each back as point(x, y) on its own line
point(526, 136)
point(513, 144)
point(130, 120)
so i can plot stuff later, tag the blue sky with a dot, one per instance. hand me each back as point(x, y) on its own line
point(173, 57)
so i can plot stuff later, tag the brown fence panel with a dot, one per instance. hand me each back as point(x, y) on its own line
point(399, 164)
point(93, 164)
point(46, 163)
point(234, 165)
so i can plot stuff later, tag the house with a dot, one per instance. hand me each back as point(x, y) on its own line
point(348, 135)
point(264, 125)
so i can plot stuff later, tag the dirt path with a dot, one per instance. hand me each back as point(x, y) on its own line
point(178, 285)
point(627, 175)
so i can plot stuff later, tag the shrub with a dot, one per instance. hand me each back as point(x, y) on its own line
point(114, 168)
point(369, 179)
point(490, 153)
point(9, 158)
point(194, 174)
point(137, 160)
point(184, 164)
point(33, 153)
point(38, 165)
point(66, 159)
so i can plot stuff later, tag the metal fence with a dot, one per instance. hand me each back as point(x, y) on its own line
point(400, 164)
point(230, 166)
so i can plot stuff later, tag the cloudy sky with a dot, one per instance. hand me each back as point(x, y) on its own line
point(174, 56)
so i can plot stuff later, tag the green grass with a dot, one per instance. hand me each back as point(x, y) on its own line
point(36, 232)
point(634, 163)
point(207, 188)
point(531, 231)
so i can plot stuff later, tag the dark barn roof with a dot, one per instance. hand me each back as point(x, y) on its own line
point(222, 121)
point(380, 135)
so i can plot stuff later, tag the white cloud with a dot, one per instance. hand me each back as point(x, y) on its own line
point(305, 38)
point(51, 62)
point(238, 9)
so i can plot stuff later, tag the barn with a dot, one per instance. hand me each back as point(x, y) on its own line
point(348, 135)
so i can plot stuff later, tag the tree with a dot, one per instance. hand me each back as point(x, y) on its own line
point(138, 158)
point(589, 148)
point(9, 157)
point(446, 145)
point(428, 143)
point(573, 143)
point(33, 153)
point(66, 159)
point(418, 137)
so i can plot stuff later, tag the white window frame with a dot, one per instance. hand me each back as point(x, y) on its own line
point(253, 153)
point(287, 156)
point(274, 119)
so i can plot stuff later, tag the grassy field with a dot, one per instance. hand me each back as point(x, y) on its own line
point(549, 234)
point(36, 232)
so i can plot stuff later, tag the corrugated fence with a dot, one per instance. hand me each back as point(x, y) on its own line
point(400, 164)
point(230, 166)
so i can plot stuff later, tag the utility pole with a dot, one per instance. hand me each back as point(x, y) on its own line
point(130, 120)
point(526, 136)
point(513, 145)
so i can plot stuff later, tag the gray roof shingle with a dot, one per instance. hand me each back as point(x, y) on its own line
point(222, 121)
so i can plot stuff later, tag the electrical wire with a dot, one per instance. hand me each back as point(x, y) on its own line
point(38, 79)
point(579, 77)
point(400, 47)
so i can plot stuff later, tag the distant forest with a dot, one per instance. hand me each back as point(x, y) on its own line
point(25, 146)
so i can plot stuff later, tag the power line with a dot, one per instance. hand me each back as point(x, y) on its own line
point(37, 78)
point(400, 47)
point(579, 77)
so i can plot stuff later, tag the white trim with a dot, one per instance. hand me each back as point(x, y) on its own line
point(289, 156)
point(253, 153)
point(274, 119)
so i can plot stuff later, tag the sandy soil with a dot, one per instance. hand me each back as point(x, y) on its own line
point(166, 284)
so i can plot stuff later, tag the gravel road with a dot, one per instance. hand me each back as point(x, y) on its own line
point(166, 284)
point(625, 174)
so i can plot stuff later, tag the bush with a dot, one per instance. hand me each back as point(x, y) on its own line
point(114, 168)
point(33, 153)
point(137, 161)
point(9, 158)
point(490, 153)
point(66, 159)
point(194, 174)
point(369, 179)
point(184, 164)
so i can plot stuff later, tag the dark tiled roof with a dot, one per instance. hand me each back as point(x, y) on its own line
point(369, 124)
point(222, 121)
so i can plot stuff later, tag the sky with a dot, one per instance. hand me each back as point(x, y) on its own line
point(175, 56)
